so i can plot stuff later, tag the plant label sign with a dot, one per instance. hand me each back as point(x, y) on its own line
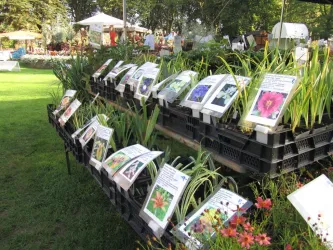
point(118, 70)
point(162, 84)
point(315, 204)
point(118, 159)
point(271, 99)
point(146, 83)
point(96, 35)
point(109, 75)
point(88, 123)
point(128, 174)
point(199, 95)
point(101, 70)
point(121, 86)
point(69, 112)
point(100, 147)
point(199, 225)
point(163, 198)
point(198, 228)
point(89, 133)
point(177, 86)
point(65, 101)
point(137, 75)
point(223, 97)
point(301, 54)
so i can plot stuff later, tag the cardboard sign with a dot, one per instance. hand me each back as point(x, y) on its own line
point(177, 86)
point(270, 102)
point(128, 174)
point(69, 112)
point(163, 198)
point(100, 147)
point(199, 95)
point(223, 97)
point(315, 204)
point(223, 204)
point(101, 70)
point(65, 101)
point(96, 35)
point(146, 83)
point(118, 159)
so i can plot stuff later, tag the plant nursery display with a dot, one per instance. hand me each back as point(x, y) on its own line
point(146, 83)
point(161, 202)
point(89, 133)
point(111, 74)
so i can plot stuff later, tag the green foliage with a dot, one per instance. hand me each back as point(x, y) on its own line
point(43, 62)
point(73, 76)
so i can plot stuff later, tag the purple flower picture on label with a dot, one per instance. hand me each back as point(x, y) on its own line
point(145, 85)
point(199, 93)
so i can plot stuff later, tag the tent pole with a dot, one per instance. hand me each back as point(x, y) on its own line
point(124, 18)
point(281, 20)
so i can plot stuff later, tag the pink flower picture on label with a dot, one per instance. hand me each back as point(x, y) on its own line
point(269, 104)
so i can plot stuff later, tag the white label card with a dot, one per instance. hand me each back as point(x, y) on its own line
point(197, 229)
point(121, 86)
point(69, 112)
point(65, 100)
point(269, 103)
point(164, 196)
point(226, 93)
point(128, 174)
point(177, 86)
point(200, 93)
point(161, 84)
point(146, 83)
point(101, 69)
point(89, 133)
point(110, 74)
point(101, 145)
point(315, 204)
point(118, 159)
point(136, 76)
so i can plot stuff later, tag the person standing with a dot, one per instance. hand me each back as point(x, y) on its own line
point(113, 36)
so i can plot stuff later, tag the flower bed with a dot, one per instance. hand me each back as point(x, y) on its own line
point(43, 61)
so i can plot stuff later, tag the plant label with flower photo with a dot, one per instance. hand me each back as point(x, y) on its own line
point(120, 158)
point(101, 70)
point(96, 35)
point(147, 81)
point(224, 95)
point(69, 112)
point(220, 206)
point(163, 198)
point(110, 74)
point(89, 133)
point(121, 86)
point(100, 147)
point(88, 123)
point(65, 101)
point(199, 95)
point(315, 204)
point(177, 86)
point(118, 70)
point(137, 75)
point(269, 104)
point(162, 84)
point(128, 174)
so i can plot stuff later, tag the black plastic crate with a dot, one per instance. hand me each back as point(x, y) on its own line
point(180, 120)
point(93, 85)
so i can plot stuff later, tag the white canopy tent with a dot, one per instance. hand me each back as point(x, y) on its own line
point(107, 20)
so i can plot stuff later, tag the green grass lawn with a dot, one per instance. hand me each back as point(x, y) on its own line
point(41, 207)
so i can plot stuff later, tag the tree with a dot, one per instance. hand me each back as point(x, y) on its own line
point(81, 9)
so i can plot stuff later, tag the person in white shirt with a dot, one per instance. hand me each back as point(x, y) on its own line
point(150, 41)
